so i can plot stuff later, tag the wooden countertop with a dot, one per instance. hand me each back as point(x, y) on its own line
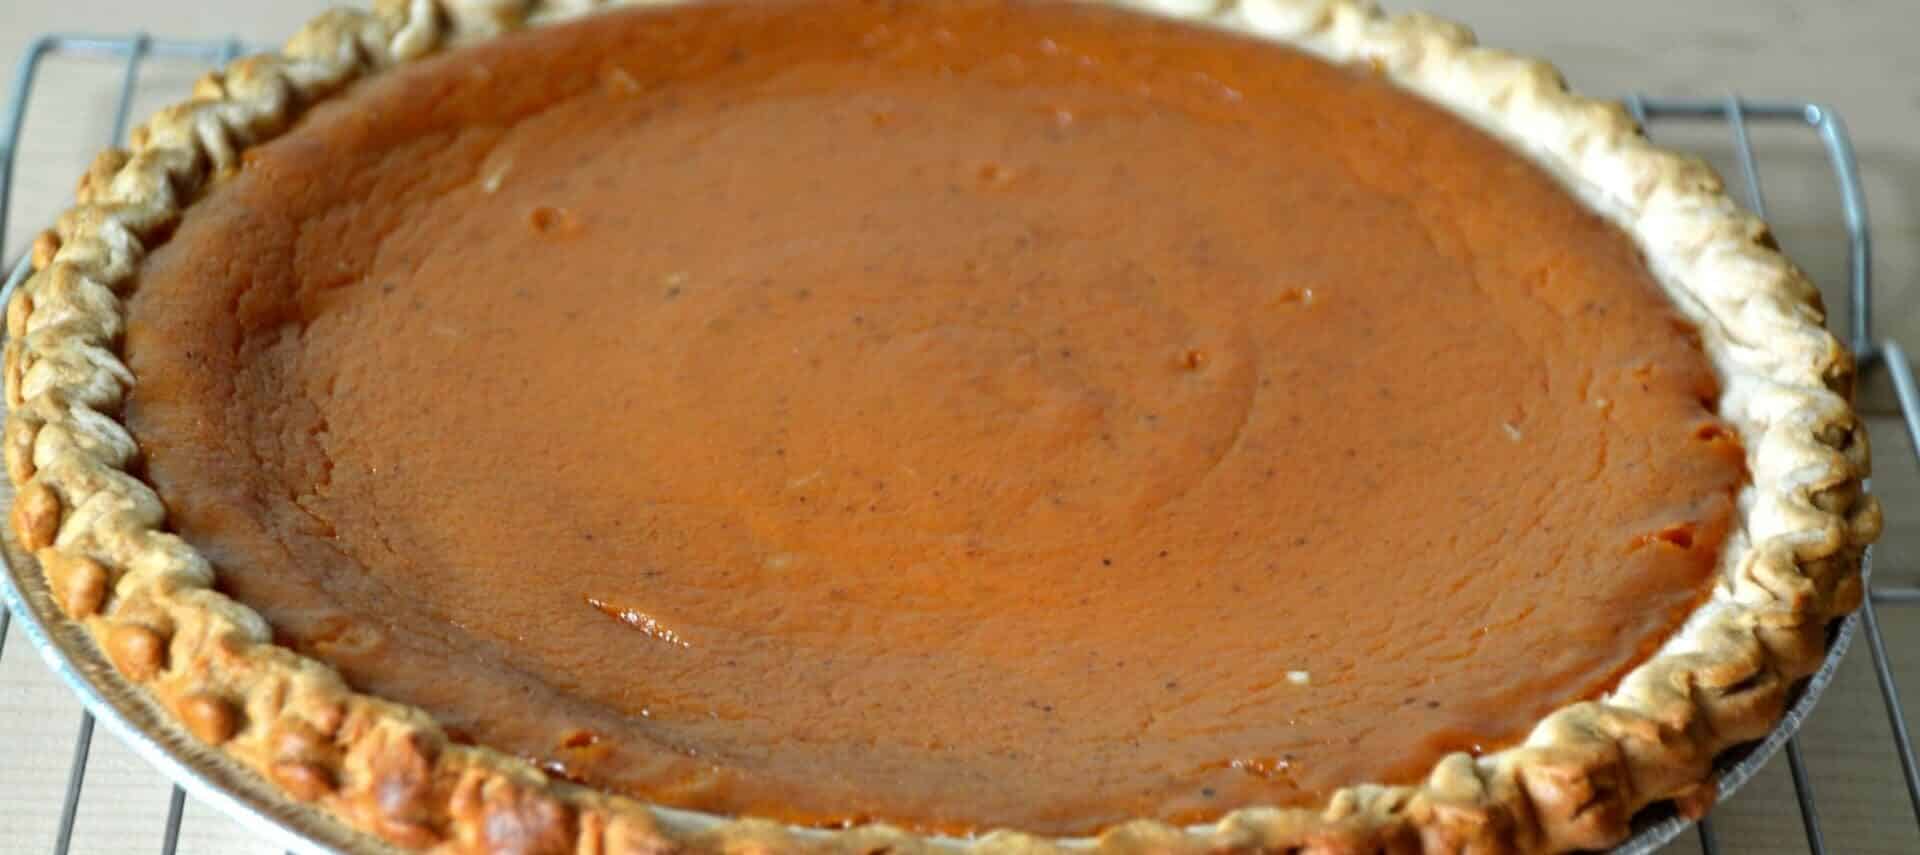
point(1856, 56)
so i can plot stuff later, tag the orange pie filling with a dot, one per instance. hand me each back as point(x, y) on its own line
point(959, 415)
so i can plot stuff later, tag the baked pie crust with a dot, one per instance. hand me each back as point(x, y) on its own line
point(1790, 567)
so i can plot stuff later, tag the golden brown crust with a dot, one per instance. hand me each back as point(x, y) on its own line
point(1790, 569)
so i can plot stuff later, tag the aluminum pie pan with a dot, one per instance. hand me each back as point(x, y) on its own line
point(131, 713)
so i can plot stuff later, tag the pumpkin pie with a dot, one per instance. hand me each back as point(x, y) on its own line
point(871, 426)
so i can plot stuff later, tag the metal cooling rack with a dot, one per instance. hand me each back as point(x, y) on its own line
point(1738, 115)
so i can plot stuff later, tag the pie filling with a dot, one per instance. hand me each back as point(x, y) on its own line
point(961, 415)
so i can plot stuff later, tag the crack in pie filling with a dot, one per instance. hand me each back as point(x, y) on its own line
point(954, 416)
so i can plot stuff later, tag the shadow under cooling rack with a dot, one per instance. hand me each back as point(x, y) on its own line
point(1736, 115)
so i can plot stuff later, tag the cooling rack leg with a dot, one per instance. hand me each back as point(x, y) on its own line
point(176, 808)
point(1803, 791)
point(76, 776)
point(1709, 844)
point(1896, 714)
point(1901, 372)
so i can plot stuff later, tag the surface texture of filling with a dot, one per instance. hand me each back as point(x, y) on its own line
point(959, 415)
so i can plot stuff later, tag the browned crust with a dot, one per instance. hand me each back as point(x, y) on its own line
point(1791, 567)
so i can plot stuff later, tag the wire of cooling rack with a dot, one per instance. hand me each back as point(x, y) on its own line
point(1737, 114)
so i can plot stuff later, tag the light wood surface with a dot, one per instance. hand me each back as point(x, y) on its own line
point(1857, 56)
